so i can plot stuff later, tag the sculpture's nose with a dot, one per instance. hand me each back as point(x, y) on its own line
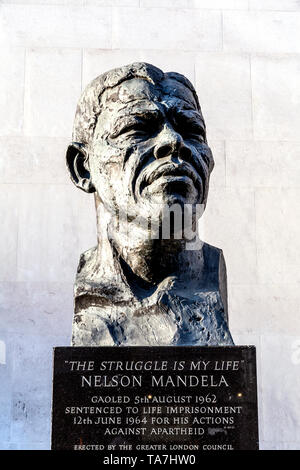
point(169, 142)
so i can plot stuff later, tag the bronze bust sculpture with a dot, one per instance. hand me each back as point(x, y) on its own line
point(139, 143)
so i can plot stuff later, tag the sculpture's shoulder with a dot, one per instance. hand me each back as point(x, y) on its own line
point(86, 269)
point(213, 258)
point(87, 260)
point(214, 272)
point(212, 249)
point(98, 286)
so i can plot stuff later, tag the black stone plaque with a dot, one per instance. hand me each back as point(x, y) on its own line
point(161, 399)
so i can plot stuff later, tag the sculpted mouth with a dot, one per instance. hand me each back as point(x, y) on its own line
point(183, 171)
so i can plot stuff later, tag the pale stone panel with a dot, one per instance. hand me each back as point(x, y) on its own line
point(181, 29)
point(41, 306)
point(229, 223)
point(53, 85)
point(205, 4)
point(224, 90)
point(262, 164)
point(31, 419)
point(57, 223)
point(55, 26)
point(31, 405)
point(291, 267)
point(11, 90)
point(276, 97)
point(217, 178)
point(272, 32)
point(290, 214)
point(280, 5)
point(264, 308)
point(96, 61)
point(278, 235)
point(9, 231)
point(34, 160)
point(271, 235)
point(34, 352)
point(280, 388)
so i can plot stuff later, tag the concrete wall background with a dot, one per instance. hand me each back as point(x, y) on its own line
point(244, 58)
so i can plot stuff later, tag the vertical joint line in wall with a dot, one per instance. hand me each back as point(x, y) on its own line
point(251, 96)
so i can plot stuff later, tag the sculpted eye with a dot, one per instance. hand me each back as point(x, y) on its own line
point(194, 131)
point(137, 128)
point(190, 127)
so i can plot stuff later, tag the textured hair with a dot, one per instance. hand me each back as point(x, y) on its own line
point(89, 105)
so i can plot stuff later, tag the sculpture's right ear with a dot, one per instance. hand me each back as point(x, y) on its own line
point(78, 166)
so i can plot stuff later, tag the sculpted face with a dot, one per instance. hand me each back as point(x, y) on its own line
point(149, 147)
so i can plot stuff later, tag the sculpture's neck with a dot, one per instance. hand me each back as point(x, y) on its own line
point(151, 260)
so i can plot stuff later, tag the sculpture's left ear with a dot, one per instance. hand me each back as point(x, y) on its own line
point(78, 166)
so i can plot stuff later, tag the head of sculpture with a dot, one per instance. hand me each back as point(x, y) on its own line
point(139, 140)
